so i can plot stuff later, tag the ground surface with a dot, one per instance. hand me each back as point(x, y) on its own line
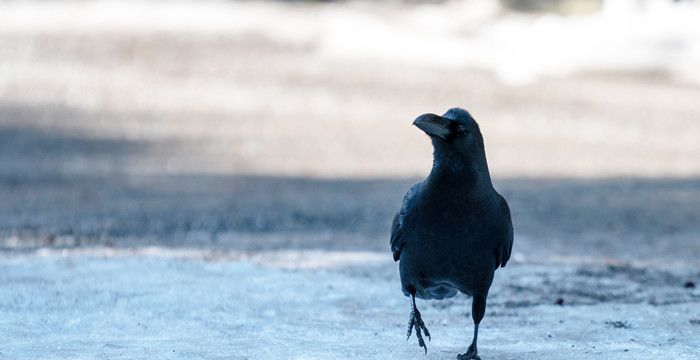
point(60, 306)
point(195, 183)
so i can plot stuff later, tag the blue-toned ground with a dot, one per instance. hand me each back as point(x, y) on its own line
point(158, 303)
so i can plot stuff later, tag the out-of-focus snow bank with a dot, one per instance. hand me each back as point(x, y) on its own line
point(660, 36)
point(626, 36)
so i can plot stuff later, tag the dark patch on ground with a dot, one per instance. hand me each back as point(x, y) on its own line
point(196, 210)
point(618, 324)
point(590, 285)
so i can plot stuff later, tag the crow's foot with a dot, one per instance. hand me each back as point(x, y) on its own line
point(470, 354)
point(415, 321)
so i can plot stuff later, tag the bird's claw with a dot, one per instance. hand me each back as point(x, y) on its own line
point(471, 354)
point(416, 321)
point(468, 357)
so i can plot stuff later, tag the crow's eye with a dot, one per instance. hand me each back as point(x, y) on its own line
point(460, 129)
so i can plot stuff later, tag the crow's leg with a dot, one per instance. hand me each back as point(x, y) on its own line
point(478, 310)
point(415, 321)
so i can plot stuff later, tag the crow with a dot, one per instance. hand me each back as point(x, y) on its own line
point(453, 229)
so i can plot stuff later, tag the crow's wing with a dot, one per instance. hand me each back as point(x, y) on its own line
point(397, 241)
point(505, 244)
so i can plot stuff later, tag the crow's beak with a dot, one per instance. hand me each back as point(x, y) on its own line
point(434, 125)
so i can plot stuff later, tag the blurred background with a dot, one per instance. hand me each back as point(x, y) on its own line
point(247, 126)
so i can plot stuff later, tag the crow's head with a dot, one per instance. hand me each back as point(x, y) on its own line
point(455, 134)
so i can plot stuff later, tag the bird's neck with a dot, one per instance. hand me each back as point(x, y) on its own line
point(465, 175)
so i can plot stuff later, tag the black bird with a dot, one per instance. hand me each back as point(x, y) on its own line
point(453, 230)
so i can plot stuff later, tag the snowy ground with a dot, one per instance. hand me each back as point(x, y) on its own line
point(88, 304)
